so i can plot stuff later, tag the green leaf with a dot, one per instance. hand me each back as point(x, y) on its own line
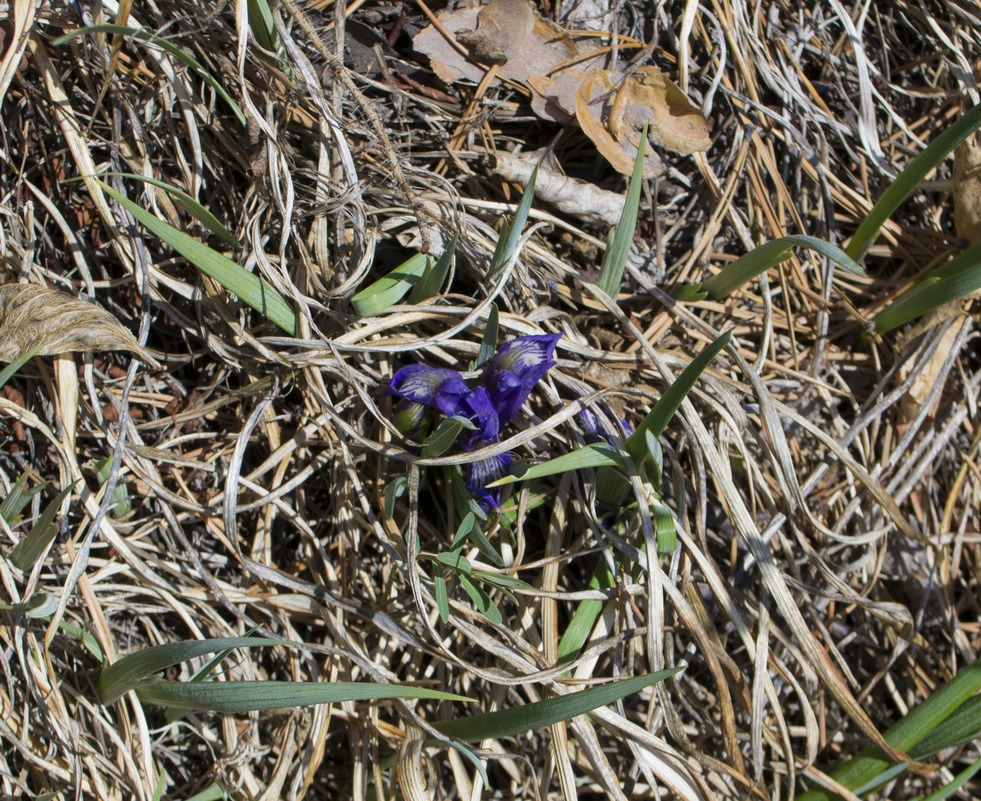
point(390, 289)
point(618, 247)
point(251, 289)
point(658, 418)
point(444, 437)
point(138, 668)
point(121, 505)
point(11, 369)
point(488, 342)
point(768, 255)
point(434, 276)
point(163, 44)
point(904, 735)
point(511, 233)
point(393, 490)
point(189, 204)
point(29, 549)
point(249, 696)
point(584, 618)
point(455, 560)
point(481, 600)
point(467, 525)
point(667, 534)
point(519, 719)
point(18, 498)
point(596, 455)
point(263, 25)
point(956, 279)
point(442, 597)
point(909, 179)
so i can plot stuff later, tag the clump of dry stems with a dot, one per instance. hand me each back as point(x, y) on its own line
point(826, 578)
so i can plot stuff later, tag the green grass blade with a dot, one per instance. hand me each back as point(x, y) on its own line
point(433, 278)
point(8, 372)
point(658, 418)
point(960, 780)
point(595, 455)
point(488, 342)
point(963, 726)
point(441, 595)
point(511, 233)
point(455, 560)
point(28, 550)
point(954, 280)
point(618, 247)
point(17, 499)
point(910, 178)
point(667, 534)
point(121, 505)
point(481, 600)
point(390, 289)
point(519, 719)
point(189, 204)
point(443, 438)
point(163, 44)
point(249, 696)
point(263, 26)
point(130, 671)
point(251, 289)
point(584, 618)
point(906, 734)
point(213, 792)
point(768, 255)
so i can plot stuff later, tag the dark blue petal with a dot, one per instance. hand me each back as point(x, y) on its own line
point(482, 473)
point(478, 408)
point(515, 369)
point(439, 388)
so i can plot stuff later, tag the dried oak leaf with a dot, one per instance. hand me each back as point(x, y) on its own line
point(612, 111)
point(536, 57)
point(47, 322)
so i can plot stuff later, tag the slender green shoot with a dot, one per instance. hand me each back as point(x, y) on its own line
point(761, 259)
point(519, 719)
point(251, 289)
point(507, 243)
point(164, 44)
point(909, 179)
point(618, 245)
point(390, 289)
point(955, 279)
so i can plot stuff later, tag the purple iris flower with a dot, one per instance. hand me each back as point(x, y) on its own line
point(500, 392)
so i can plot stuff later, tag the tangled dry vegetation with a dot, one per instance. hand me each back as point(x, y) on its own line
point(825, 482)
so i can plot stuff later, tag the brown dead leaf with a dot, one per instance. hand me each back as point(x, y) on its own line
point(503, 26)
point(566, 81)
point(648, 97)
point(594, 103)
point(34, 318)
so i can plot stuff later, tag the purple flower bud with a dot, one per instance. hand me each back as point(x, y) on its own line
point(412, 419)
point(482, 473)
point(515, 369)
point(441, 389)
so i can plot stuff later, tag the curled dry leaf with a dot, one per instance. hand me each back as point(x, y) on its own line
point(566, 80)
point(47, 322)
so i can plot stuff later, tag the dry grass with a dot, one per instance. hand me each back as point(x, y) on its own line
point(827, 574)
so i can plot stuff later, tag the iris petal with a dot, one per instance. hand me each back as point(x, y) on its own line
point(482, 473)
point(441, 389)
point(515, 369)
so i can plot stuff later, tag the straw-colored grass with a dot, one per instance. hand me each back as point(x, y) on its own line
point(825, 481)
